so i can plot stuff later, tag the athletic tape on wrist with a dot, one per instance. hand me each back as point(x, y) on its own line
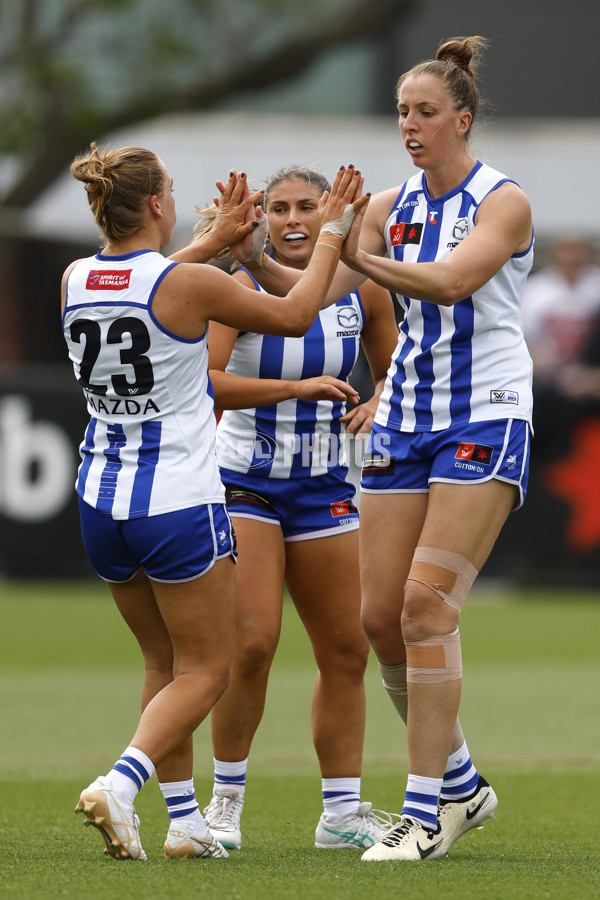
point(341, 226)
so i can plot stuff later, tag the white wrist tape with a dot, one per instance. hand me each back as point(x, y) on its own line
point(259, 239)
point(340, 227)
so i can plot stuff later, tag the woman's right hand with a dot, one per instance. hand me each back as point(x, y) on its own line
point(350, 248)
point(324, 387)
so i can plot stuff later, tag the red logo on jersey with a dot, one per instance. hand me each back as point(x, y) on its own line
point(108, 280)
point(406, 233)
point(477, 452)
point(343, 508)
point(433, 217)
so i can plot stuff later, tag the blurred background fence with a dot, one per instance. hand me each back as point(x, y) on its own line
point(258, 84)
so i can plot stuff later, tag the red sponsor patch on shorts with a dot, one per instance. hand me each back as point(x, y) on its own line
point(341, 509)
point(475, 452)
point(108, 280)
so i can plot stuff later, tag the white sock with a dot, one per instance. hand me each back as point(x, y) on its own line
point(230, 776)
point(421, 800)
point(461, 777)
point(131, 772)
point(181, 804)
point(341, 797)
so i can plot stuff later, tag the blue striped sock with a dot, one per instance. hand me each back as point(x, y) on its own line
point(181, 802)
point(230, 776)
point(421, 800)
point(131, 772)
point(461, 777)
point(341, 797)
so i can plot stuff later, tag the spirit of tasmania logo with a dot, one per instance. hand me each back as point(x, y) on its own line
point(108, 280)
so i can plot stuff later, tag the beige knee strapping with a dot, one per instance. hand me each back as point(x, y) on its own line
point(434, 660)
point(394, 681)
point(393, 677)
point(449, 574)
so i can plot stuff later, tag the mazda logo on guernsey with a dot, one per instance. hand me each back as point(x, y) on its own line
point(347, 317)
point(461, 229)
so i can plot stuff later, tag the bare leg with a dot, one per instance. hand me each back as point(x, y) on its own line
point(260, 569)
point(190, 626)
point(139, 609)
point(322, 577)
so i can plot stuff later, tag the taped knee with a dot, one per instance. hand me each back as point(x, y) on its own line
point(434, 660)
point(449, 574)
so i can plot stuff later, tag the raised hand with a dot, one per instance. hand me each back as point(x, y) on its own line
point(236, 217)
point(350, 247)
point(338, 208)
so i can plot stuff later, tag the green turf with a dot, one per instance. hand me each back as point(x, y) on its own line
point(69, 684)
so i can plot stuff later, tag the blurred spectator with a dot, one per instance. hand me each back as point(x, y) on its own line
point(561, 321)
point(580, 380)
point(561, 301)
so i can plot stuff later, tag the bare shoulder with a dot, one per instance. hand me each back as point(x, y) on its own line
point(382, 202)
point(244, 278)
point(508, 207)
point(511, 191)
point(69, 269)
point(195, 276)
point(507, 195)
point(63, 283)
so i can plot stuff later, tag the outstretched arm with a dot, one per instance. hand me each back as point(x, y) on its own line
point(503, 228)
point(279, 280)
point(241, 392)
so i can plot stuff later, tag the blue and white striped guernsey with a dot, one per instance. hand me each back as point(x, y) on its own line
point(465, 363)
point(149, 447)
point(292, 438)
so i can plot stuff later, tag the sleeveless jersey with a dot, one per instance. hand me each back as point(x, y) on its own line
point(149, 446)
point(292, 438)
point(464, 363)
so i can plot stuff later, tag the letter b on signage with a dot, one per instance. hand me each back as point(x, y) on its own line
point(37, 465)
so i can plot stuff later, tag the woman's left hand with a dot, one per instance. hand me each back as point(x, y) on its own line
point(236, 216)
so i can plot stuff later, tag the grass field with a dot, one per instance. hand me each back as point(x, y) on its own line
point(69, 683)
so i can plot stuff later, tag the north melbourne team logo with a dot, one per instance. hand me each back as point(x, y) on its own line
point(478, 453)
point(406, 233)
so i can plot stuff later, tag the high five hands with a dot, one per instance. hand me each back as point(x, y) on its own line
point(342, 207)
